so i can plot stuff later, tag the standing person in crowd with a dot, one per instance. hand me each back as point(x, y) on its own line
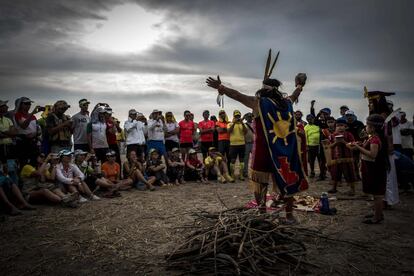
point(112, 128)
point(156, 129)
point(96, 131)
point(395, 127)
point(59, 127)
point(187, 129)
point(300, 130)
point(206, 127)
point(7, 134)
point(320, 121)
point(342, 110)
point(44, 135)
point(135, 134)
point(407, 133)
point(237, 131)
point(80, 123)
point(175, 170)
point(196, 135)
point(215, 133)
point(312, 132)
point(248, 138)
point(342, 157)
point(194, 168)
point(223, 136)
point(298, 118)
point(374, 165)
point(111, 170)
point(356, 128)
point(156, 168)
point(134, 169)
point(171, 133)
point(27, 130)
point(71, 178)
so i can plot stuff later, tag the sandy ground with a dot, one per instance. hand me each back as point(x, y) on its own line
point(131, 234)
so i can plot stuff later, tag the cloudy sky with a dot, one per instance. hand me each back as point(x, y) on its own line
point(157, 54)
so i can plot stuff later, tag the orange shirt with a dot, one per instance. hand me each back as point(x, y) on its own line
point(223, 135)
point(111, 171)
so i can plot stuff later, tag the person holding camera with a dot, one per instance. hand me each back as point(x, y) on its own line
point(156, 127)
point(79, 126)
point(27, 130)
point(59, 127)
point(237, 130)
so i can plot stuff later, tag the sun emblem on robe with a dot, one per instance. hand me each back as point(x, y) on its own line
point(280, 127)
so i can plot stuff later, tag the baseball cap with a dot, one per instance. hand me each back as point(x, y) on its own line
point(151, 151)
point(222, 111)
point(64, 153)
point(341, 121)
point(111, 153)
point(156, 111)
point(83, 101)
point(3, 103)
point(211, 149)
point(79, 152)
point(326, 110)
point(344, 107)
point(349, 112)
point(132, 111)
point(174, 150)
point(192, 151)
point(108, 110)
point(236, 112)
point(25, 100)
point(101, 109)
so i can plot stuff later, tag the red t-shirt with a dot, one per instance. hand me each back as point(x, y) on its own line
point(194, 162)
point(186, 131)
point(341, 150)
point(209, 136)
point(110, 137)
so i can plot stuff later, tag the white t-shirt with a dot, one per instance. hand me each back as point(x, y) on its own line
point(407, 140)
point(134, 132)
point(172, 127)
point(99, 135)
point(155, 130)
point(80, 123)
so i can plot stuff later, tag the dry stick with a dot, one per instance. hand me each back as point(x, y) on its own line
point(242, 242)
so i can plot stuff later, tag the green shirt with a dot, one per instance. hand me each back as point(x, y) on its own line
point(312, 135)
point(5, 124)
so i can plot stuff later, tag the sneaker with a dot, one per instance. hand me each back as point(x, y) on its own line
point(95, 197)
point(82, 199)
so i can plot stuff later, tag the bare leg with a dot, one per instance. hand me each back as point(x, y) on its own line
point(43, 194)
point(260, 197)
point(104, 183)
point(289, 208)
point(11, 209)
point(20, 199)
point(59, 192)
point(378, 207)
point(85, 189)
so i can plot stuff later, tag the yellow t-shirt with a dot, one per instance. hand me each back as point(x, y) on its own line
point(27, 171)
point(237, 135)
point(5, 124)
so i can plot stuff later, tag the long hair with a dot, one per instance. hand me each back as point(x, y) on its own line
point(271, 91)
point(377, 122)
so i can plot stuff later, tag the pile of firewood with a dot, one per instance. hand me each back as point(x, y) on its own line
point(240, 242)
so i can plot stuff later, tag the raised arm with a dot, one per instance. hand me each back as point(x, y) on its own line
point(249, 101)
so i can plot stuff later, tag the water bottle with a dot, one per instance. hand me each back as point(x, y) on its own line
point(324, 203)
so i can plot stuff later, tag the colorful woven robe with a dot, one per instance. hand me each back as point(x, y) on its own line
point(280, 133)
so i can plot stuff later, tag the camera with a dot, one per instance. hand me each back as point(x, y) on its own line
point(41, 108)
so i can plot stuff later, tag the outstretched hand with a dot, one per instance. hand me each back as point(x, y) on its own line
point(213, 83)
